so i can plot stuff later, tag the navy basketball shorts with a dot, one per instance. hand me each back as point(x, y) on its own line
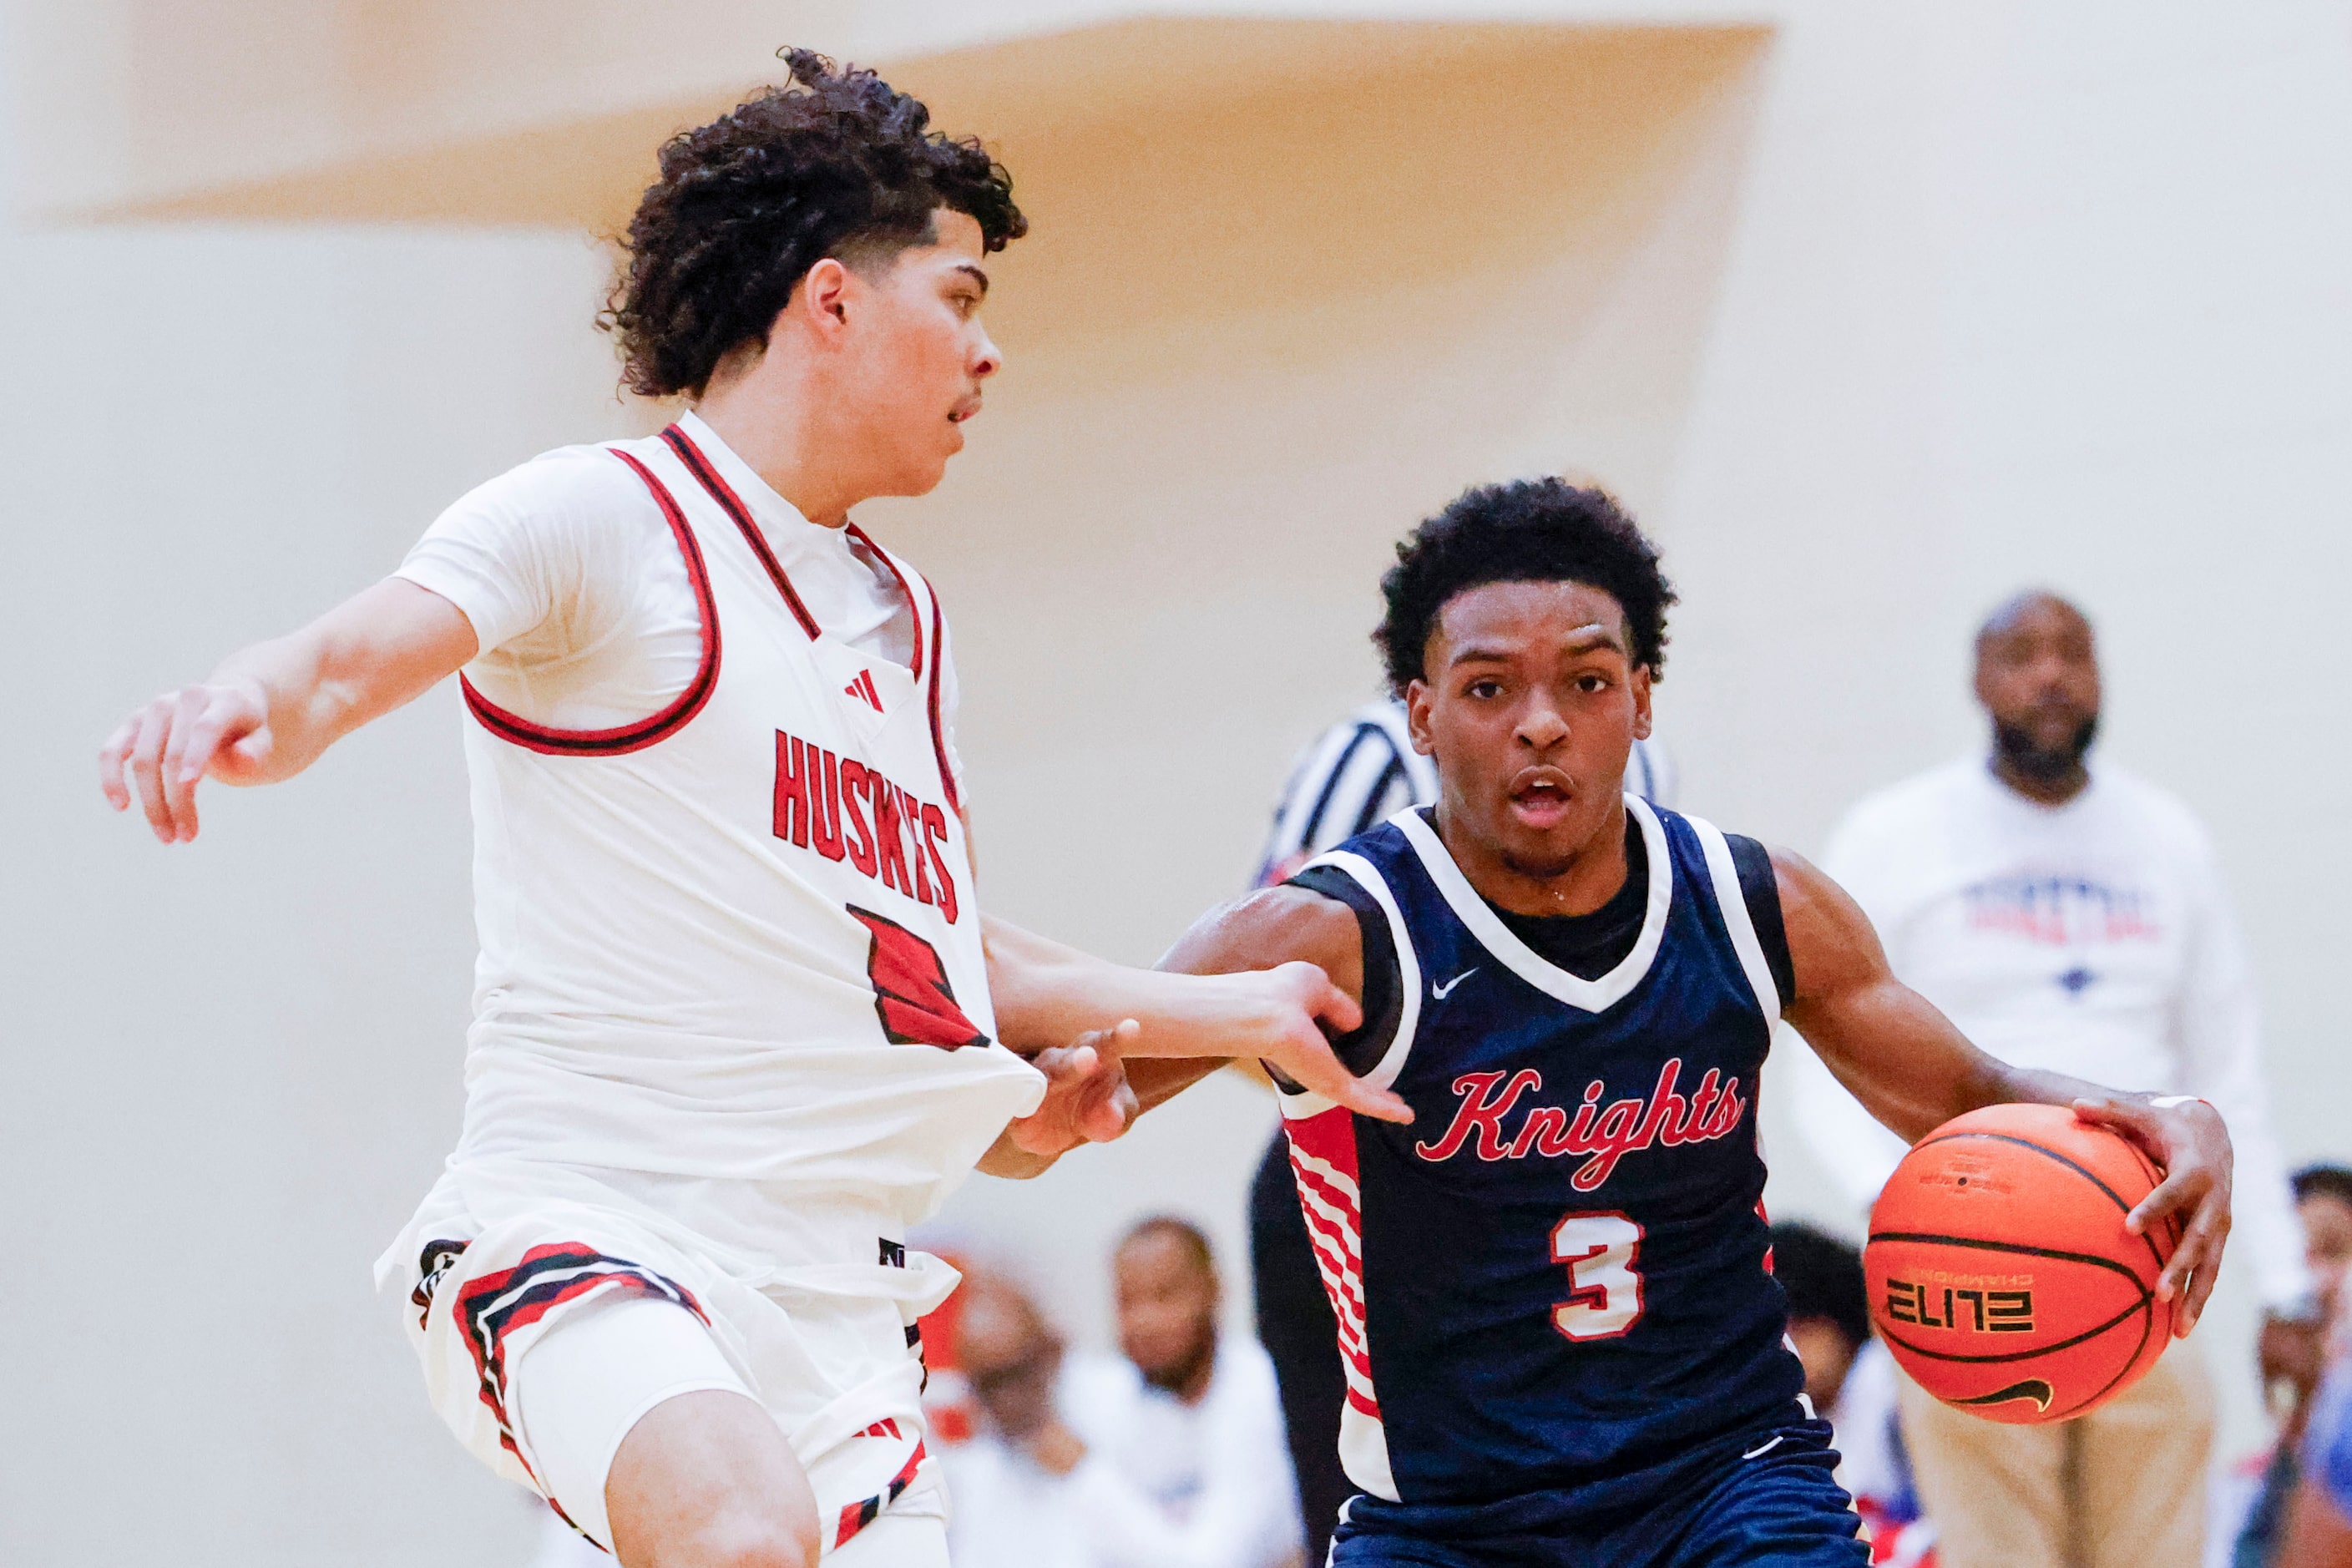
point(1780, 1506)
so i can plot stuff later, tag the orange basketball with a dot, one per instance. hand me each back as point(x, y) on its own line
point(2000, 1275)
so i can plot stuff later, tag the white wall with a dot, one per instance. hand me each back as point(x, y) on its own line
point(1915, 307)
point(232, 1067)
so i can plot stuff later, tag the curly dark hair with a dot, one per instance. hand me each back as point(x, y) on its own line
point(1823, 1277)
point(1530, 531)
point(2322, 1181)
point(834, 163)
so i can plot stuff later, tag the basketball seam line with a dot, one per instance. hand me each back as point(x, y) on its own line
point(2082, 1171)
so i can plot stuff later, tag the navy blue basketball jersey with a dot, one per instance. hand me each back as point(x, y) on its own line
point(1557, 1275)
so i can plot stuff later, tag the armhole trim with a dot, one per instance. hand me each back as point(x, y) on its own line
point(1366, 874)
point(740, 515)
point(643, 732)
point(1733, 904)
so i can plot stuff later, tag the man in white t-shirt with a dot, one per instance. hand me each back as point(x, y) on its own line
point(1170, 1455)
point(738, 1021)
point(2071, 919)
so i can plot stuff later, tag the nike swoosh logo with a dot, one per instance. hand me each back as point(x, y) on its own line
point(2033, 1388)
point(1439, 993)
point(1762, 1449)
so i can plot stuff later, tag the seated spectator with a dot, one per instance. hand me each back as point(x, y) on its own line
point(1850, 1379)
point(2319, 1531)
point(1188, 1418)
point(1013, 1486)
point(1170, 1457)
point(2322, 1203)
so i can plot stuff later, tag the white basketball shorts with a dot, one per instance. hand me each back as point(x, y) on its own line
point(546, 1339)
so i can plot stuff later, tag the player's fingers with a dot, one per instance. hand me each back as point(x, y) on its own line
point(186, 746)
point(2132, 1120)
point(1109, 1111)
point(146, 766)
point(1319, 998)
point(111, 759)
point(2199, 1248)
point(219, 720)
point(1316, 1068)
point(1338, 1009)
point(2180, 1189)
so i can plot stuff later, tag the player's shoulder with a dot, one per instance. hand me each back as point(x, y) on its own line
point(567, 486)
point(1291, 919)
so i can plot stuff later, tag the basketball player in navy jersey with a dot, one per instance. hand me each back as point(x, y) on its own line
point(1563, 1342)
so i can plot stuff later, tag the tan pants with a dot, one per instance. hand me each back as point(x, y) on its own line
point(2123, 1487)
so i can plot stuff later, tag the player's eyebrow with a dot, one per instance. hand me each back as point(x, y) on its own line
point(1586, 639)
point(1583, 639)
point(973, 271)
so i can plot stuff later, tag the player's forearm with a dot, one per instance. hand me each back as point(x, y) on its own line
point(378, 650)
point(1006, 1158)
point(305, 711)
point(1047, 994)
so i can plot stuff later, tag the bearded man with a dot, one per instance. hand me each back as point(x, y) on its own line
point(2070, 917)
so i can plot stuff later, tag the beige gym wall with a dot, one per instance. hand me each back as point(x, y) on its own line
point(1873, 315)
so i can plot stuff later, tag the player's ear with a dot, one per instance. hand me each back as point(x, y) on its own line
point(1416, 716)
point(1641, 687)
point(823, 294)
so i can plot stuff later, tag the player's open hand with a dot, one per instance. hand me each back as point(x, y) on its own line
point(1087, 1097)
point(2186, 1139)
point(169, 745)
point(1281, 1022)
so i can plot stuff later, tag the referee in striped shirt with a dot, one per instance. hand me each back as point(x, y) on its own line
point(1362, 771)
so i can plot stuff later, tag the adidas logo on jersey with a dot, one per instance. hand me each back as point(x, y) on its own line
point(863, 689)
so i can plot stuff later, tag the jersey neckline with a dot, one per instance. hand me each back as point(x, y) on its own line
point(705, 473)
point(1594, 996)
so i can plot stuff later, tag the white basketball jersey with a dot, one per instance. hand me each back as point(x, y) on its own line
point(731, 962)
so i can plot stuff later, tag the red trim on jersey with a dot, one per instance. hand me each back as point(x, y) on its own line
point(643, 732)
point(733, 505)
point(913, 605)
point(856, 1516)
point(938, 730)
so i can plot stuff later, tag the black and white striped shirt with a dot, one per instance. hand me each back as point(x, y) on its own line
point(1364, 769)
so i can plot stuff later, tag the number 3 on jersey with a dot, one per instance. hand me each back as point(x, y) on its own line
point(1604, 1292)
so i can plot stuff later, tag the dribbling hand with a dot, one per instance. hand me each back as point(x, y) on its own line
point(2190, 1145)
point(171, 744)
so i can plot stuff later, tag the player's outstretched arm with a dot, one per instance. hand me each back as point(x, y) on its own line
point(268, 712)
point(1232, 998)
point(1913, 1071)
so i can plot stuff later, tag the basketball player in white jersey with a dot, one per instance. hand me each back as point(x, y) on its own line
point(739, 1022)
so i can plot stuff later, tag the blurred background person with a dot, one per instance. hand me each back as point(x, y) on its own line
point(1850, 1378)
point(2070, 919)
point(1186, 1417)
point(1014, 1485)
point(2248, 1524)
point(2319, 1513)
point(1358, 773)
point(1168, 1455)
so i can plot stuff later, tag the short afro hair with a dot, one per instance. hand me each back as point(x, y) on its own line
point(1823, 1277)
point(833, 163)
point(2323, 1181)
point(1530, 531)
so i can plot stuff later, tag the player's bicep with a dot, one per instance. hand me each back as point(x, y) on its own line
point(1887, 1045)
point(1272, 926)
point(386, 646)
